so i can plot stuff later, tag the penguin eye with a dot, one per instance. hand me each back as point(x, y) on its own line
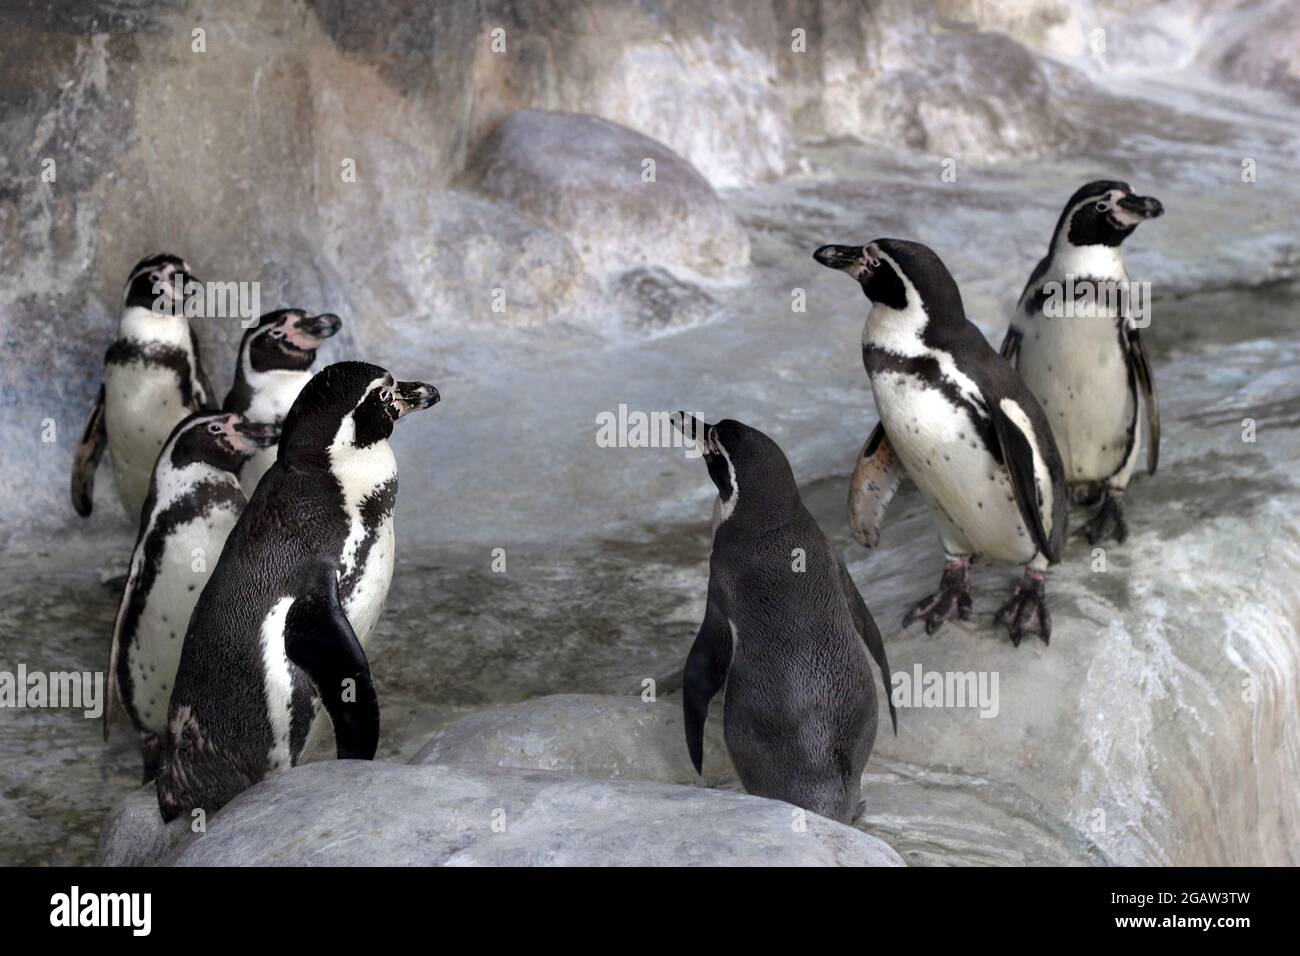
point(215, 428)
point(277, 333)
point(385, 395)
point(1101, 206)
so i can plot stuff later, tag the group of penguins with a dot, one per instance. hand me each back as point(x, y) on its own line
point(223, 664)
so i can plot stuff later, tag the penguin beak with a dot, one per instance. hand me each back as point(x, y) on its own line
point(258, 435)
point(308, 332)
point(693, 430)
point(1139, 208)
point(413, 396)
point(850, 259)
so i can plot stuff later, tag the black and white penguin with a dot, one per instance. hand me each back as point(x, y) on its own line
point(787, 631)
point(153, 377)
point(280, 628)
point(958, 419)
point(193, 503)
point(1087, 367)
point(275, 358)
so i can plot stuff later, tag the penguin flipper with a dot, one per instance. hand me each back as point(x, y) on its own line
point(870, 634)
point(703, 676)
point(1018, 456)
point(208, 400)
point(1141, 366)
point(1011, 345)
point(94, 439)
point(875, 480)
point(319, 638)
point(115, 650)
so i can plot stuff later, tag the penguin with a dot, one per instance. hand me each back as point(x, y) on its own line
point(1089, 368)
point(193, 502)
point(273, 366)
point(787, 631)
point(281, 626)
point(957, 419)
point(153, 377)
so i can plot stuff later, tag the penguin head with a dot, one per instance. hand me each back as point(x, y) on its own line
point(221, 439)
point(899, 275)
point(161, 276)
point(756, 486)
point(1104, 213)
point(286, 339)
point(349, 405)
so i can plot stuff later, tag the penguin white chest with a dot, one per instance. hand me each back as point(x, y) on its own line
point(1078, 370)
point(273, 395)
point(368, 479)
point(968, 491)
point(186, 560)
point(142, 404)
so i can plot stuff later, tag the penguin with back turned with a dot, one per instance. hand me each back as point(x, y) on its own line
point(786, 630)
point(958, 419)
point(1088, 368)
point(273, 366)
point(279, 629)
point(194, 501)
point(153, 377)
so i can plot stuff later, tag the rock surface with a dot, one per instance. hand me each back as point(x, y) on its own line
point(359, 813)
point(592, 735)
point(621, 198)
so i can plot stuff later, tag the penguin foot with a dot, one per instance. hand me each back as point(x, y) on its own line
point(1110, 513)
point(1028, 595)
point(151, 751)
point(952, 599)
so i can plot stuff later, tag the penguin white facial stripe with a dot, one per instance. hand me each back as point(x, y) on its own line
point(728, 507)
point(279, 682)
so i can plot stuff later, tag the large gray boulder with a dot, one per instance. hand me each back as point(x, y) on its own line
point(594, 735)
point(354, 813)
point(622, 198)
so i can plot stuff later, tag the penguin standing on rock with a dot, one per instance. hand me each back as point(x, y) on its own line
point(957, 419)
point(274, 365)
point(787, 631)
point(1088, 366)
point(280, 628)
point(194, 500)
point(153, 377)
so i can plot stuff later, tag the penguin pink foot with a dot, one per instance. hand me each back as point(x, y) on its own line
point(952, 599)
point(1028, 596)
point(1108, 521)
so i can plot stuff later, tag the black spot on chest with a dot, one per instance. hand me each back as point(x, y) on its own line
point(375, 508)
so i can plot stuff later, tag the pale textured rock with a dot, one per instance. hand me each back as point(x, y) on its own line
point(358, 813)
point(134, 834)
point(598, 736)
point(583, 177)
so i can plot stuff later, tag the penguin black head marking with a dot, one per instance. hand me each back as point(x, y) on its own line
point(221, 439)
point(352, 404)
point(755, 483)
point(1104, 213)
point(287, 339)
point(898, 274)
point(163, 274)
